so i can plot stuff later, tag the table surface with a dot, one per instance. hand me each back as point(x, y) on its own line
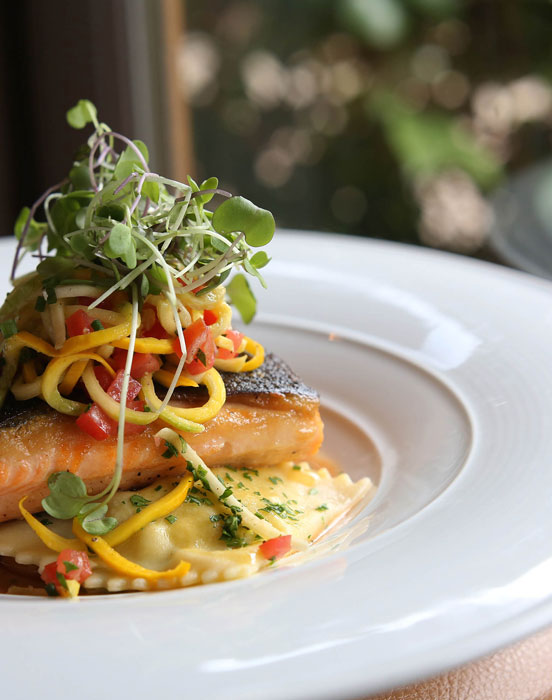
point(520, 672)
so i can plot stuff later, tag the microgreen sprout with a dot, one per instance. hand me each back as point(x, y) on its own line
point(134, 230)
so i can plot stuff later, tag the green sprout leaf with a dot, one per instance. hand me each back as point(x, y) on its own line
point(95, 521)
point(151, 189)
point(79, 176)
point(129, 161)
point(209, 184)
point(239, 214)
point(67, 495)
point(259, 260)
point(82, 114)
point(242, 297)
point(119, 242)
point(34, 231)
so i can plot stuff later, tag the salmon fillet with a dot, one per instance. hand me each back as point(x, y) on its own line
point(269, 416)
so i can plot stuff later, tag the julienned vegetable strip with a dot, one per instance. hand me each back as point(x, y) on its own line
point(52, 377)
point(124, 566)
point(217, 396)
point(51, 539)
point(158, 509)
point(261, 527)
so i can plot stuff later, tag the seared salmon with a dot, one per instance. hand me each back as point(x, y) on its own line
point(269, 416)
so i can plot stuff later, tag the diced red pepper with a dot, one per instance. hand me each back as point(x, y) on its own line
point(210, 317)
point(141, 362)
point(78, 323)
point(236, 337)
point(116, 385)
point(276, 548)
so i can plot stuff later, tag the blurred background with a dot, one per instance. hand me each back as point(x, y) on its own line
point(396, 119)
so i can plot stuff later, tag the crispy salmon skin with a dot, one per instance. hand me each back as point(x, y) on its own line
point(269, 416)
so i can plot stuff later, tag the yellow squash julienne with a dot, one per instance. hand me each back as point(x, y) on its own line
point(164, 377)
point(52, 377)
point(123, 566)
point(113, 407)
point(154, 511)
point(217, 396)
point(72, 376)
point(257, 351)
point(159, 509)
point(52, 540)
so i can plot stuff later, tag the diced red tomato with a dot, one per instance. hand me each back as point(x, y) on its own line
point(49, 572)
point(116, 385)
point(210, 317)
point(276, 548)
point(157, 331)
point(198, 340)
point(236, 337)
point(96, 423)
point(72, 564)
point(103, 376)
point(78, 323)
point(151, 326)
point(74, 558)
point(208, 349)
point(141, 362)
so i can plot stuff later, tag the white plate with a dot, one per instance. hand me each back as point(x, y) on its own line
point(441, 367)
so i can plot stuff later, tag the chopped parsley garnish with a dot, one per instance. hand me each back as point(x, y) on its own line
point(171, 518)
point(158, 487)
point(171, 450)
point(227, 475)
point(229, 533)
point(282, 510)
point(313, 492)
point(139, 501)
point(227, 492)
point(297, 467)
point(275, 480)
point(62, 580)
point(322, 507)
point(69, 566)
point(97, 325)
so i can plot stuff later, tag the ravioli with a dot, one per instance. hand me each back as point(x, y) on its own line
point(296, 499)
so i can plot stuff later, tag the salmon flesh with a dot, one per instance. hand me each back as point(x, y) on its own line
point(269, 416)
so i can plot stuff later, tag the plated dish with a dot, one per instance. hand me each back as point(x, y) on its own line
point(443, 393)
point(145, 441)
